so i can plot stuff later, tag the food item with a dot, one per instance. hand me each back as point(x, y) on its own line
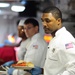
point(23, 63)
point(30, 64)
point(20, 64)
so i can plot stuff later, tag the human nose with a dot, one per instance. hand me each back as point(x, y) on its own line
point(25, 29)
point(26, 32)
point(44, 23)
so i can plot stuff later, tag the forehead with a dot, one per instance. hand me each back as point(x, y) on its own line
point(47, 15)
point(20, 27)
point(28, 25)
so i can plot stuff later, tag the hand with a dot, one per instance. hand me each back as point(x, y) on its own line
point(9, 63)
point(10, 71)
point(36, 71)
point(20, 61)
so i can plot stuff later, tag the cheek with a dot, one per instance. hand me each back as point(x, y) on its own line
point(32, 32)
point(28, 33)
point(49, 25)
point(19, 33)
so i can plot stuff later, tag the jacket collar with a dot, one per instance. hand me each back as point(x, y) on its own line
point(63, 29)
point(35, 36)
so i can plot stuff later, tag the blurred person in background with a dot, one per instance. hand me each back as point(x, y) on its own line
point(37, 44)
point(35, 50)
point(20, 50)
point(12, 45)
point(24, 40)
point(13, 39)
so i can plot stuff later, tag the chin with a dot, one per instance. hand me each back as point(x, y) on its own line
point(47, 32)
point(27, 36)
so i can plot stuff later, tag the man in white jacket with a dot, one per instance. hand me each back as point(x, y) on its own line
point(37, 47)
point(60, 58)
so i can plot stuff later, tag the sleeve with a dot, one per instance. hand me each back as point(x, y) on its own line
point(37, 53)
point(67, 58)
point(19, 72)
point(22, 50)
point(21, 53)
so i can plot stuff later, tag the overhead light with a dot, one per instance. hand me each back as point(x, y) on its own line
point(4, 4)
point(17, 8)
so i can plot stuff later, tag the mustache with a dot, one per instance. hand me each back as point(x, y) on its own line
point(45, 28)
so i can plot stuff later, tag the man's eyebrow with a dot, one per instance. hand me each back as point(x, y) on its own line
point(47, 18)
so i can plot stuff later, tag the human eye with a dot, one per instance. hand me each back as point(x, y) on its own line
point(29, 28)
point(47, 20)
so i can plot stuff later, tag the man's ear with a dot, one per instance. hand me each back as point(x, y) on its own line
point(59, 21)
point(37, 28)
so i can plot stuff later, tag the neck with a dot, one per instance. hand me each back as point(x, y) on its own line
point(23, 39)
point(53, 33)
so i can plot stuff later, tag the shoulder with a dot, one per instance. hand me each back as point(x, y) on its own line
point(25, 42)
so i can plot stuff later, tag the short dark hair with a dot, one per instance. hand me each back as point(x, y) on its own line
point(54, 10)
point(32, 21)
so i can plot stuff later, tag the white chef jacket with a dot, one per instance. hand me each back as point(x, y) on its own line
point(36, 51)
point(22, 50)
point(60, 58)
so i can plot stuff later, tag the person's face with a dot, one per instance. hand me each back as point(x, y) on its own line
point(30, 30)
point(21, 31)
point(50, 24)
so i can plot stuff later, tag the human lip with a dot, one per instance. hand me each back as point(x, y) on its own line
point(46, 29)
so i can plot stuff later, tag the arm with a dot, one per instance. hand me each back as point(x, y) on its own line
point(9, 63)
point(36, 51)
point(14, 44)
point(67, 58)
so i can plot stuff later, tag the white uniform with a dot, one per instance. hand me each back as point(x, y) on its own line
point(22, 50)
point(61, 54)
point(36, 52)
